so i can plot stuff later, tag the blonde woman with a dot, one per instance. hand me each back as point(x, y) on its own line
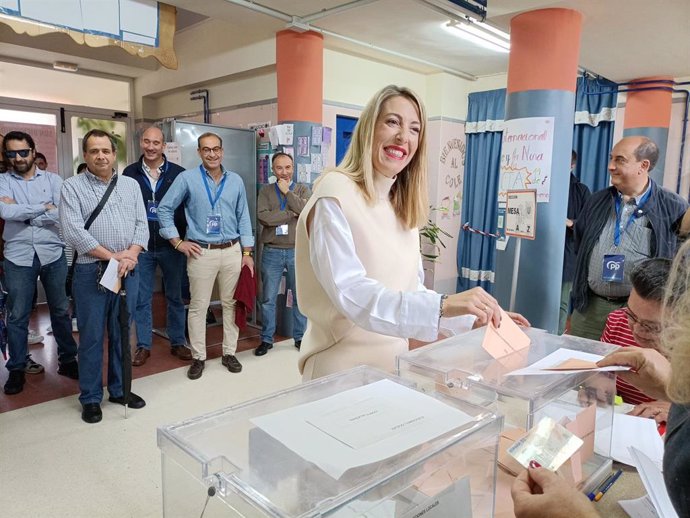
point(359, 270)
point(540, 493)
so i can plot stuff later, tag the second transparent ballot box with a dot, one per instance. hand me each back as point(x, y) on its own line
point(583, 402)
point(354, 444)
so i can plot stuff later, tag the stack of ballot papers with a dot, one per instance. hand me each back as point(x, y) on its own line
point(656, 504)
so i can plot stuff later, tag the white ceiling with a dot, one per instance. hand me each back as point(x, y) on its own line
point(621, 39)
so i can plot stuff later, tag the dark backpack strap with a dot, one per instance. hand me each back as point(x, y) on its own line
point(92, 217)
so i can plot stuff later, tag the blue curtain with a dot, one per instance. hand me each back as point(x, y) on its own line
point(476, 253)
point(593, 133)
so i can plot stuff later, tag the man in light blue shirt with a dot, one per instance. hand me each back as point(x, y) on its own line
point(219, 242)
point(33, 248)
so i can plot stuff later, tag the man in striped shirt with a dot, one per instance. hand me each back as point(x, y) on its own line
point(639, 325)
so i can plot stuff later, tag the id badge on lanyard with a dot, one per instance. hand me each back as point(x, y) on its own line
point(152, 210)
point(213, 221)
point(213, 224)
point(613, 268)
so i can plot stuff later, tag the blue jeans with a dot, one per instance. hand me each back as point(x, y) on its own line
point(273, 262)
point(21, 285)
point(172, 265)
point(99, 308)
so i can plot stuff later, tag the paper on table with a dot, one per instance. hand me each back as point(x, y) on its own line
point(629, 430)
point(506, 339)
point(653, 482)
point(110, 280)
point(425, 419)
point(558, 357)
point(642, 507)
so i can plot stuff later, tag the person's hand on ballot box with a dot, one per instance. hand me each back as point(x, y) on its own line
point(650, 370)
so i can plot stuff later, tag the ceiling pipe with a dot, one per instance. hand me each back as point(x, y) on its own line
point(303, 26)
point(335, 10)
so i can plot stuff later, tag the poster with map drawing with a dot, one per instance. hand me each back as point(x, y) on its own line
point(526, 152)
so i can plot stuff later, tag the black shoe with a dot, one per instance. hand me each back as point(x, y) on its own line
point(134, 401)
point(195, 369)
point(298, 344)
point(232, 363)
point(210, 317)
point(263, 349)
point(15, 383)
point(91, 413)
point(69, 369)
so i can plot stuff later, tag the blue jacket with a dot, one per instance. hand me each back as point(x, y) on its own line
point(664, 209)
point(170, 172)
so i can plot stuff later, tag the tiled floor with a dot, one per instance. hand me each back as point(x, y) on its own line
point(49, 385)
point(56, 466)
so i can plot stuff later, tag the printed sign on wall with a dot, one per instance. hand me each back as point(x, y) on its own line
point(526, 152)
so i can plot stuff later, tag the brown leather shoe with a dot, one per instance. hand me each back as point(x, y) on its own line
point(196, 369)
point(140, 356)
point(182, 352)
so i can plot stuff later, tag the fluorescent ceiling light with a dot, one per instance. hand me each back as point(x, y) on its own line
point(480, 34)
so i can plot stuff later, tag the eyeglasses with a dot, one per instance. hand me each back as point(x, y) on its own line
point(208, 151)
point(21, 152)
point(646, 325)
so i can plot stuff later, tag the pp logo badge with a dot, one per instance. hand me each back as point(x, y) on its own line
point(613, 268)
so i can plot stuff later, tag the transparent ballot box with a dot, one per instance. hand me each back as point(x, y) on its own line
point(358, 443)
point(583, 402)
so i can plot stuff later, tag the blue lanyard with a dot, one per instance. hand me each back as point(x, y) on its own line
point(619, 212)
point(282, 199)
point(212, 200)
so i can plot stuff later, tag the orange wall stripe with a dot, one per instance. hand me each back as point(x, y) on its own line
point(299, 67)
point(649, 108)
point(544, 50)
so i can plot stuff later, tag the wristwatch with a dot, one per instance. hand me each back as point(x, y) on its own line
point(247, 253)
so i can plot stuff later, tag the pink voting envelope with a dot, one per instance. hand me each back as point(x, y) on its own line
point(506, 339)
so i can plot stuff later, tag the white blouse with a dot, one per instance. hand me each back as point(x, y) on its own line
point(365, 301)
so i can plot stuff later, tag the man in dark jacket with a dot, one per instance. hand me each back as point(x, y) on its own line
point(634, 219)
point(578, 194)
point(155, 175)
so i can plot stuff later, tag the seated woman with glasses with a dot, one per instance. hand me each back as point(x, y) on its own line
point(639, 325)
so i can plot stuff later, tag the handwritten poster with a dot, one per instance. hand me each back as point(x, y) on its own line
point(526, 152)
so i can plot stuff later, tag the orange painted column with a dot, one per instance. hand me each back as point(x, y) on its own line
point(648, 113)
point(542, 77)
point(299, 65)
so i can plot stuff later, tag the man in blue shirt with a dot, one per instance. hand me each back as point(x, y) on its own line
point(155, 175)
point(218, 244)
point(28, 203)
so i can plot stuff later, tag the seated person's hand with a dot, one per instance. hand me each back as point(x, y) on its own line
point(540, 493)
point(599, 388)
point(657, 410)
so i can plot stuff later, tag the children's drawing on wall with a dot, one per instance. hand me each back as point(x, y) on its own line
point(452, 169)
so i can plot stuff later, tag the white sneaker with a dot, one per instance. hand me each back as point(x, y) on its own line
point(75, 328)
point(34, 337)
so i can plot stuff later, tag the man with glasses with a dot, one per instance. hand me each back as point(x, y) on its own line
point(278, 207)
point(632, 220)
point(219, 242)
point(29, 200)
point(155, 175)
point(120, 232)
point(639, 325)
